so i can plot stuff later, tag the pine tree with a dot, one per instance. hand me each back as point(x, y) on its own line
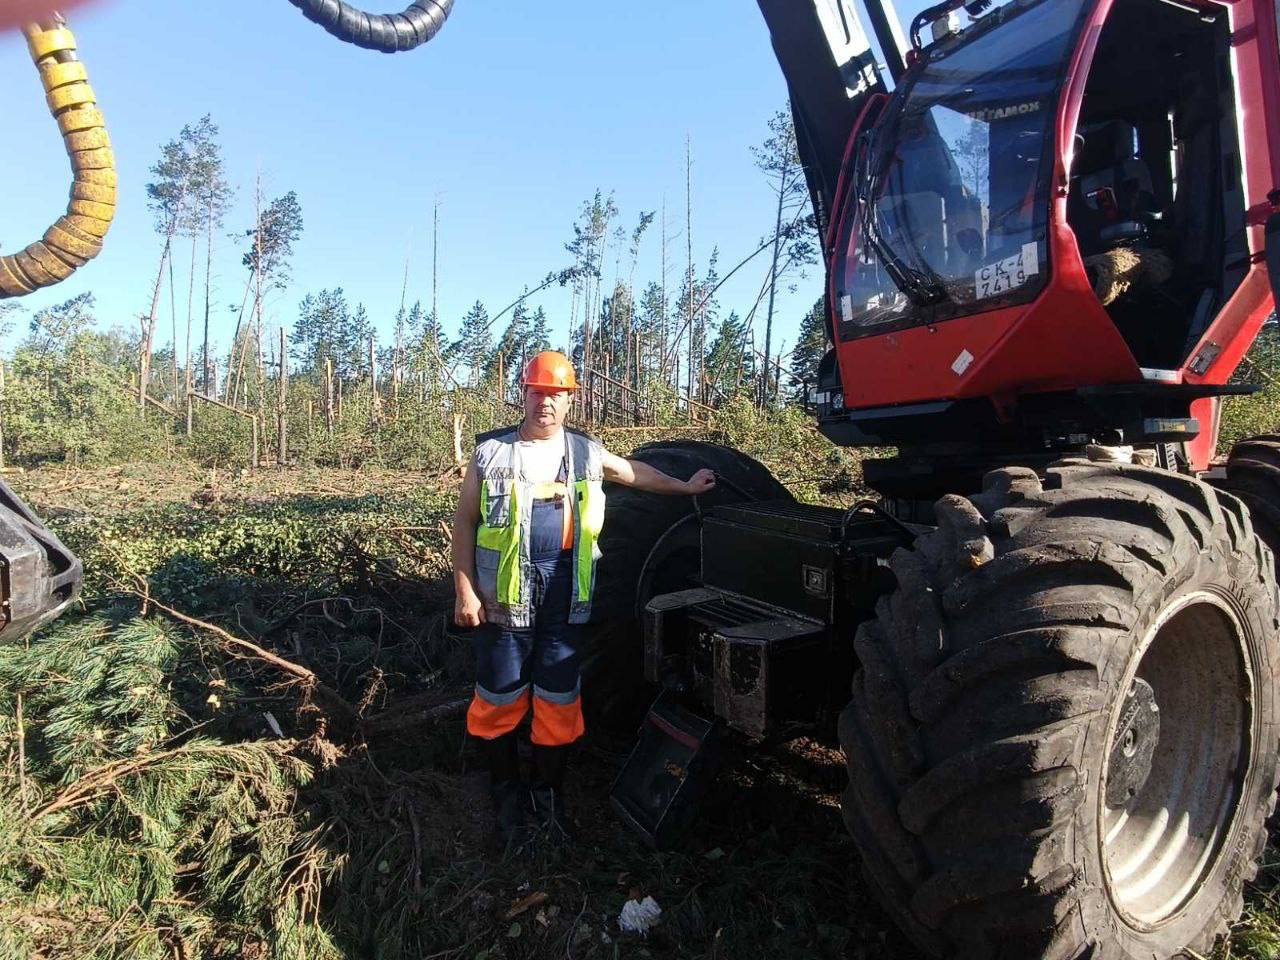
point(700, 314)
point(539, 333)
point(427, 347)
point(355, 338)
point(169, 200)
point(729, 366)
point(210, 197)
point(271, 240)
point(475, 342)
point(512, 347)
point(319, 332)
point(778, 158)
point(652, 318)
point(809, 350)
point(617, 317)
point(590, 233)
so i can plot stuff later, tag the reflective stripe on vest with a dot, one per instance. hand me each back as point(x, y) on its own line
point(503, 537)
point(590, 511)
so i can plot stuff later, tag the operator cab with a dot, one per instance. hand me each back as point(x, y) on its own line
point(1058, 198)
point(954, 202)
point(1155, 198)
point(950, 215)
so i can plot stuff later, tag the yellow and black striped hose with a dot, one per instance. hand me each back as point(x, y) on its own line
point(77, 237)
point(387, 32)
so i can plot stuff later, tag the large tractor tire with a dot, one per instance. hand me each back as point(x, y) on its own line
point(1253, 475)
point(1062, 741)
point(650, 545)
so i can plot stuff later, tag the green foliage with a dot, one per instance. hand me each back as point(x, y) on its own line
point(200, 559)
point(809, 350)
point(730, 363)
point(190, 191)
point(66, 397)
point(164, 817)
point(793, 239)
point(272, 238)
point(146, 837)
point(475, 342)
point(327, 329)
point(1259, 413)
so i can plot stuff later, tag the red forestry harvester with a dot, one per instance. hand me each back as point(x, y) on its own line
point(1051, 233)
point(1048, 248)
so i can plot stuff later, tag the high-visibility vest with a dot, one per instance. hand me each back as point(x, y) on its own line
point(504, 573)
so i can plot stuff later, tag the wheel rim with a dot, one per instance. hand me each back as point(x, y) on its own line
point(1179, 749)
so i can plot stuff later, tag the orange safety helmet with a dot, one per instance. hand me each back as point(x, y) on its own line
point(549, 370)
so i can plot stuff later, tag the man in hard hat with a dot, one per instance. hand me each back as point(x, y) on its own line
point(524, 559)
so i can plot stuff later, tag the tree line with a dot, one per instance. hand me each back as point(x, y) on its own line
point(666, 336)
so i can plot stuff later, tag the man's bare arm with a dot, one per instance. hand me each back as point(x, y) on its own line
point(468, 611)
point(638, 474)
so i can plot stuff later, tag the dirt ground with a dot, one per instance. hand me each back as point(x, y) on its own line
point(767, 869)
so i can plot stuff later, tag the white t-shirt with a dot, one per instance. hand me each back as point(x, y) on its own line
point(540, 459)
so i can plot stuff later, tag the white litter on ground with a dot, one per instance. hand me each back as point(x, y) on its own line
point(639, 916)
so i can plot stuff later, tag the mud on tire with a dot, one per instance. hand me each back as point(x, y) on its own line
point(990, 739)
point(635, 522)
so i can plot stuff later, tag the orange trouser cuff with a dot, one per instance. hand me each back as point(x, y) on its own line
point(491, 720)
point(556, 724)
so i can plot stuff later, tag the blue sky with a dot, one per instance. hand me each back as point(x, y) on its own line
point(511, 117)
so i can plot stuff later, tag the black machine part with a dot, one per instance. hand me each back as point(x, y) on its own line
point(39, 576)
point(671, 767)
point(384, 32)
point(1272, 235)
point(831, 70)
point(763, 643)
point(1070, 672)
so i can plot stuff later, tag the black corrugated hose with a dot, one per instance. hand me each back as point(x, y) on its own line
point(386, 32)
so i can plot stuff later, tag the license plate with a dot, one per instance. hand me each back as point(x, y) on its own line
point(1007, 274)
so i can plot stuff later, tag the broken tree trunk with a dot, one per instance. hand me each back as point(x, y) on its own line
point(328, 395)
point(282, 396)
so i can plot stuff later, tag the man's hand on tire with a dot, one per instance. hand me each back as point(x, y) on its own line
point(701, 482)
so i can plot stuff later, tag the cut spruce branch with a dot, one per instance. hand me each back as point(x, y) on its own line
point(416, 711)
point(343, 711)
point(331, 699)
point(103, 779)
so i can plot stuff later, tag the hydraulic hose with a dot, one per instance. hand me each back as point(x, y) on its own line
point(386, 32)
point(77, 237)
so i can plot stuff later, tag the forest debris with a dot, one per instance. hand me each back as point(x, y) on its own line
point(414, 711)
point(313, 684)
point(525, 904)
point(274, 724)
point(101, 779)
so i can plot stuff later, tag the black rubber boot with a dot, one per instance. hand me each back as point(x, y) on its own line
point(509, 794)
point(547, 794)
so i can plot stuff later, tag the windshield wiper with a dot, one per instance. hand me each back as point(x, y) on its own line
point(922, 288)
